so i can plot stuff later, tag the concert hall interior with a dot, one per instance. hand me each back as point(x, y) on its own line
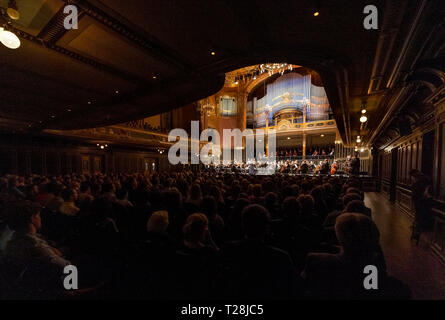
point(341, 103)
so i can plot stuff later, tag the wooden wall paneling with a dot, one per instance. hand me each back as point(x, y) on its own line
point(63, 163)
point(408, 162)
point(14, 156)
point(36, 161)
point(440, 161)
point(21, 162)
point(419, 155)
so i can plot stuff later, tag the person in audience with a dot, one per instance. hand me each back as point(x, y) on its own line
point(122, 198)
point(233, 236)
point(330, 219)
point(31, 259)
point(257, 269)
point(85, 197)
point(340, 276)
point(68, 206)
point(14, 190)
point(56, 201)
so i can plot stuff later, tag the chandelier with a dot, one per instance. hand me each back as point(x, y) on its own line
point(271, 68)
point(206, 107)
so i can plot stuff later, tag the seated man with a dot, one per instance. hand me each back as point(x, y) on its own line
point(341, 275)
point(254, 269)
point(28, 255)
point(68, 207)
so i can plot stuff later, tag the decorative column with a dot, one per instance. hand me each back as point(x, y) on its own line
point(242, 108)
point(268, 109)
point(304, 145)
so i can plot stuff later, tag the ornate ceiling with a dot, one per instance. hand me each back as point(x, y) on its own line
point(135, 58)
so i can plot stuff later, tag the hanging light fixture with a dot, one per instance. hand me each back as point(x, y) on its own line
point(9, 39)
point(363, 118)
point(12, 10)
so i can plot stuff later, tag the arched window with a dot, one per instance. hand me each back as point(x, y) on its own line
point(227, 106)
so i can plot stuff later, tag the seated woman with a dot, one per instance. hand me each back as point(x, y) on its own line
point(197, 260)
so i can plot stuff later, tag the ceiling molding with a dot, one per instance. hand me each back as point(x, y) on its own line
point(80, 58)
point(147, 42)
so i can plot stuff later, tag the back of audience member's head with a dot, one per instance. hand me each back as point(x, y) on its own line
point(291, 207)
point(355, 206)
point(85, 186)
point(306, 187)
point(349, 197)
point(288, 191)
point(306, 203)
point(19, 214)
point(68, 194)
point(107, 187)
point(257, 190)
point(172, 199)
point(121, 193)
point(243, 195)
point(356, 191)
point(195, 192)
point(357, 234)
point(209, 206)
point(318, 193)
point(270, 199)
point(194, 227)
point(255, 221)
point(158, 222)
point(327, 188)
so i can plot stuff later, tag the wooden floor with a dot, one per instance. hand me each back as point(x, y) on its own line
point(414, 265)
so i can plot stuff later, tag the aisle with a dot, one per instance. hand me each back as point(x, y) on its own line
point(414, 265)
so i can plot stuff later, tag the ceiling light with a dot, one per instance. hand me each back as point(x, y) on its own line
point(97, 144)
point(322, 135)
point(69, 110)
point(363, 111)
point(116, 92)
point(358, 140)
point(12, 10)
point(212, 53)
point(9, 39)
point(154, 77)
point(89, 102)
point(288, 138)
point(363, 119)
point(362, 149)
point(102, 147)
point(316, 14)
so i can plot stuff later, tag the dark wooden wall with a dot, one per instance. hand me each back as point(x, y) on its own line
point(424, 150)
point(25, 156)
